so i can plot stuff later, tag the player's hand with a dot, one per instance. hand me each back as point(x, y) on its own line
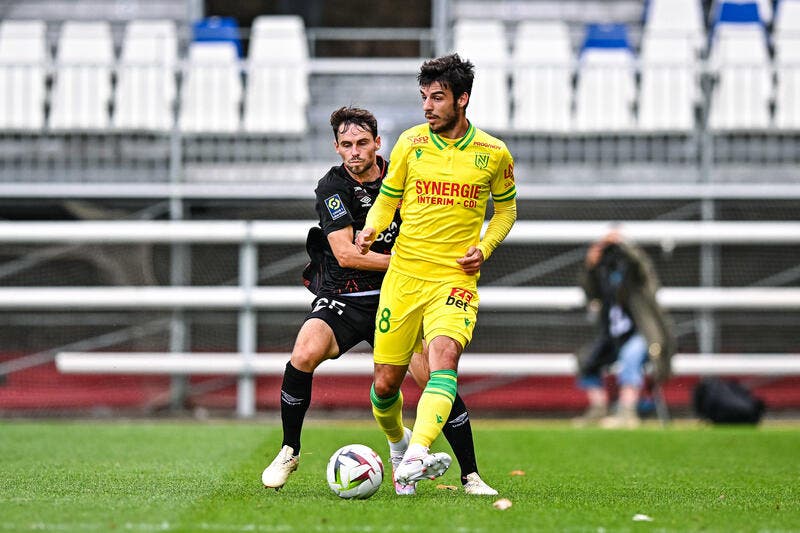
point(472, 260)
point(364, 240)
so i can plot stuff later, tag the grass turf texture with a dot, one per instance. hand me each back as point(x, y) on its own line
point(184, 476)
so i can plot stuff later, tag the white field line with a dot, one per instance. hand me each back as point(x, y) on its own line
point(204, 526)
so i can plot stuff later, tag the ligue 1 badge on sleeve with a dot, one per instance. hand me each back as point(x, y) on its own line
point(335, 206)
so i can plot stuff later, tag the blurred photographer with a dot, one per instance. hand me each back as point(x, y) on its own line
point(635, 334)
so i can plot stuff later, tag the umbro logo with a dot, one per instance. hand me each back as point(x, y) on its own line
point(288, 399)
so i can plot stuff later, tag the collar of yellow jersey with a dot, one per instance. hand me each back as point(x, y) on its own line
point(461, 143)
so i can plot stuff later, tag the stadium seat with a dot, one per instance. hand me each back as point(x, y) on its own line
point(542, 77)
point(676, 19)
point(669, 87)
point(786, 43)
point(606, 89)
point(212, 89)
point(23, 58)
point(739, 59)
point(218, 29)
point(787, 76)
point(484, 43)
point(277, 90)
point(146, 79)
point(82, 86)
point(764, 9)
point(787, 18)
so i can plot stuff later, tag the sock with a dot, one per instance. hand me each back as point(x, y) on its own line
point(388, 412)
point(458, 432)
point(434, 406)
point(295, 399)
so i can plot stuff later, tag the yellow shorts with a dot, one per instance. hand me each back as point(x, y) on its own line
point(411, 309)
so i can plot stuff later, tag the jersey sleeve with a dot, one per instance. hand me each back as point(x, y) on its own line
point(383, 211)
point(502, 185)
point(333, 207)
point(504, 195)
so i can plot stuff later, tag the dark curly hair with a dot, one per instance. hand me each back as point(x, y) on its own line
point(450, 71)
point(345, 116)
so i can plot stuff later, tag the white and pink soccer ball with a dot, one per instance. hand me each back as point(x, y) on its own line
point(355, 471)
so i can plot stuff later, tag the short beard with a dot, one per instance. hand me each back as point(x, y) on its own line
point(450, 124)
point(363, 171)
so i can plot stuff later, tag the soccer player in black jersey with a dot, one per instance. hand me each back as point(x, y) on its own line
point(347, 294)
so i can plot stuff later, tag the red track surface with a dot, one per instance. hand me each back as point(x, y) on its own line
point(44, 388)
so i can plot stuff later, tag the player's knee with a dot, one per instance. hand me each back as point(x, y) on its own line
point(307, 359)
point(385, 386)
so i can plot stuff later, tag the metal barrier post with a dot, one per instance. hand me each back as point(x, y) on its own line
point(248, 273)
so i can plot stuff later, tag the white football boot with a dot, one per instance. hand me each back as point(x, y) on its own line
point(276, 474)
point(418, 464)
point(478, 487)
point(396, 452)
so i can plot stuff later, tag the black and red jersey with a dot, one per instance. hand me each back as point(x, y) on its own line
point(342, 201)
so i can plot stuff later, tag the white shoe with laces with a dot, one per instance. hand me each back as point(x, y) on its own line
point(418, 464)
point(396, 452)
point(276, 474)
point(478, 487)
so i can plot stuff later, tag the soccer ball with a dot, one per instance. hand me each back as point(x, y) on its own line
point(355, 472)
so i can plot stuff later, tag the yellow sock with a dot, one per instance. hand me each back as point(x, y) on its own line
point(388, 412)
point(434, 406)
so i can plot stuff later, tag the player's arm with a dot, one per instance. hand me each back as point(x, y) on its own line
point(381, 213)
point(379, 217)
point(341, 242)
point(505, 214)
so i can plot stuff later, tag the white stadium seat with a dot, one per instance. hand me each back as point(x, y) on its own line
point(277, 92)
point(669, 87)
point(23, 59)
point(542, 77)
point(740, 61)
point(82, 86)
point(484, 43)
point(606, 87)
point(676, 19)
point(212, 89)
point(787, 76)
point(787, 18)
point(146, 81)
point(786, 43)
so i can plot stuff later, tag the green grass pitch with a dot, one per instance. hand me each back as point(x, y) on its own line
point(205, 476)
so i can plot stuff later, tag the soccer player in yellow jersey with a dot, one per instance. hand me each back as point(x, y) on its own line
point(444, 172)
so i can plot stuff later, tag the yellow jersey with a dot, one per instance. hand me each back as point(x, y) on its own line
point(445, 186)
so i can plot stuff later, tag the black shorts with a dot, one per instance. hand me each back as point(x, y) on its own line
point(352, 318)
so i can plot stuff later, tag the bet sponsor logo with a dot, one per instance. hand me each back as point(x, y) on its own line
point(459, 297)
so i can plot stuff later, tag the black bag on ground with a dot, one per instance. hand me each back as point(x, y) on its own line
point(726, 402)
point(316, 242)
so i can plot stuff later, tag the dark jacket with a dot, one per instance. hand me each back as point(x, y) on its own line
point(625, 276)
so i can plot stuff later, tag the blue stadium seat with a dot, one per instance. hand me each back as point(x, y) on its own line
point(605, 36)
point(215, 29)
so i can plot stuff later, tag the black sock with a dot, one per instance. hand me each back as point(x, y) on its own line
point(458, 432)
point(295, 399)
